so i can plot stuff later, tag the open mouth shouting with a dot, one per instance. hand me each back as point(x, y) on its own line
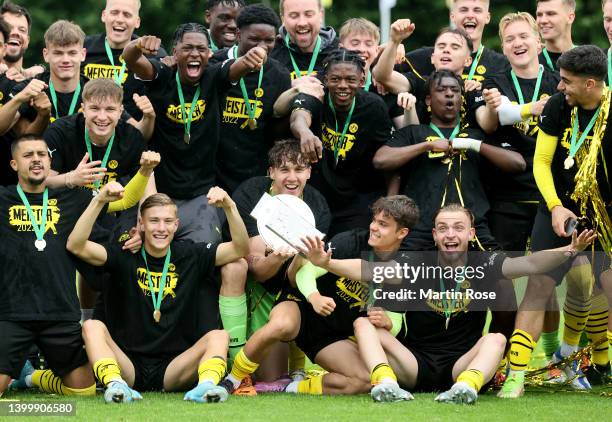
point(470, 26)
point(194, 68)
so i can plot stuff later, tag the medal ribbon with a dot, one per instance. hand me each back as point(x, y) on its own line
point(194, 104)
point(368, 82)
point(475, 63)
point(162, 283)
point(39, 229)
point(250, 109)
point(548, 59)
point(575, 146)
point(441, 135)
point(213, 46)
point(313, 59)
point(118, 78)
point(109, 146)
point(340, 140)
point(536, 90)
point(73, 103)
point(448, 310)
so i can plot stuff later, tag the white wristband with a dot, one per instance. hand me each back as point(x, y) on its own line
point(509, 113)
point(466, 143)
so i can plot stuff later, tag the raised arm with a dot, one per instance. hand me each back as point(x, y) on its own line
point(383, 72)
point(146, 125)
point(78, 241)
point(544, 261)
point(253, 60)
point(486, 115)
point(239, 246)
point(134, 56)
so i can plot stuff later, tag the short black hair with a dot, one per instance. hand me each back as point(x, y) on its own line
point(585, 60)
point(342, 55)
point(10, 7)
point(210, 4)
point(457, 31)
point(286, 151)
point(186, 28)
point(5, 29)
point(257, 14)
point(436, 76)
point(24, 138)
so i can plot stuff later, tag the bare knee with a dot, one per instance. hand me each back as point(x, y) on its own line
point(216, 337)
point(495, 340)
point(93, 328)
point(233, 277)
point(361, 324)
point(283, 326)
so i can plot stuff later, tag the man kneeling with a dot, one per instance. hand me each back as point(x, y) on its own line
point(148, 340)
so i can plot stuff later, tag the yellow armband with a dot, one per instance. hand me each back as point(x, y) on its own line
point(306, 278)
point(396, 321)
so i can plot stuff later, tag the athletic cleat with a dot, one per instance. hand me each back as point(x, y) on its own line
point(227, 385)
point(119, 392)
point(277, 386)
point(599, 374)
point(459, 393)
point(575, 376)
point(389, 392)
point(20, 383)
point(298, 375)
point(514, 387)
point(207, 392)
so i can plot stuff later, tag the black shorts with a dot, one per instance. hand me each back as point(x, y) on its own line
point(543, 237)
point(315, 331)
point(511, 224)
point(435, 371)
point(149, 371)
point(60, 342)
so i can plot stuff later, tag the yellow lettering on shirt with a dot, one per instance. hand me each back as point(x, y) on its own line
point(143, 282)
point(109, 176)
point(302, 73)
point(19, 217)
point(175, 114)
point(95, 71)
point(331, 139)
point(235, 111)
point(352, 292)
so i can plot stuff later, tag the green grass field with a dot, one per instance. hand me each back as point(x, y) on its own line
point(536, 405)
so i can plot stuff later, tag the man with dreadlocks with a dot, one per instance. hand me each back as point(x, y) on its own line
point(342, 135)
point(187, 100)
point(573, 152)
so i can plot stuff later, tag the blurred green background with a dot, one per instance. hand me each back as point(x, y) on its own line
point(160, 17)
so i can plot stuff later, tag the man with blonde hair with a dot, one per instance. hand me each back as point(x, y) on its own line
point(555, 19)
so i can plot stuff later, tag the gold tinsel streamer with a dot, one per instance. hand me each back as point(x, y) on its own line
point(586, 193)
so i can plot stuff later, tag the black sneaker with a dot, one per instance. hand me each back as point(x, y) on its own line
point(228, 385)
point(599, 374)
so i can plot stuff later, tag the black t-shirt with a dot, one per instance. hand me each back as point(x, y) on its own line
point(553, 60)
point(66, 140)
point(490, 62)
point(370, 128)
point(242, 152)
point(556, 120)
point(97, 65)
point(426, 331)
point(39, 286)
point(64, 99)
point(427, 180)
point(8, 176)
point(187, 170)
point(246, 197)
point(350, 296)
point(521, 137)
point(390, 101)
point(281, 54)
point(130, 306)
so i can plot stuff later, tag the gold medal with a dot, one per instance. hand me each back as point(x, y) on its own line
point(259, 92)
point(156, 315)
point(252, 123)
point(187, 138)
point(568, 163)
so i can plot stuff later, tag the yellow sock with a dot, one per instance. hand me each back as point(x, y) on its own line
point(107, 370)
point(596, 328)
point(521, 347)
point(297, 358)
point(48, 382)
point(473, 378)
point(575, 314)
point(88, 391)
point(243, 366)
point(609, 337)
point(212, 370)
point(312, 385)
point(381, 372)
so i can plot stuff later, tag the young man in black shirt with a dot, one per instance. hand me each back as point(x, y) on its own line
point(165, 350)
point(555, 19)
point(35, 222)
point(248, 122)
point(440, 162)
point(341, 135)
point(268, 269)
point(103, 58)
point(20, 24)
point(568, 160)
point(442, 346)
point(187, 136)
point(470, 16)
point(322, 329)
point(7, 175)
point(220, 16)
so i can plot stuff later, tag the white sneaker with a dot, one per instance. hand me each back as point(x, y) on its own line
point(389, 392)
point(459, 393)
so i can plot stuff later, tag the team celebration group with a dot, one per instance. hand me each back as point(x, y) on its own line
point(130, 261)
